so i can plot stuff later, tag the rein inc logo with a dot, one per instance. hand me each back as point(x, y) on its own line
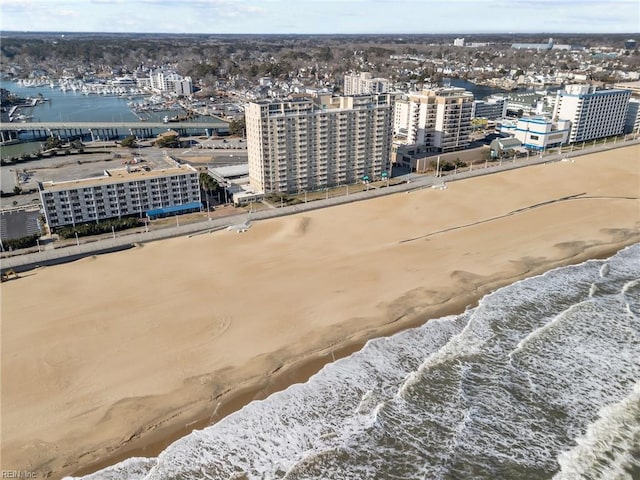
point(17, 474)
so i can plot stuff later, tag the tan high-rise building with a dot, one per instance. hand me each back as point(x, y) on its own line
point(364, 83)
point(440, 119)
point(303, 144)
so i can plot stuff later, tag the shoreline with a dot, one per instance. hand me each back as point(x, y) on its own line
point(301, 370)
point(112, 372)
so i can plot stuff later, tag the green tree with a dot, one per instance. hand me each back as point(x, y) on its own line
point(168, 141)
point(22, 242)
point(53, 142)
point(237, 127)
point(208, 183)
point(129, 142)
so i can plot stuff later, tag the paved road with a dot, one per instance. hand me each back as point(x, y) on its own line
point(413, 182)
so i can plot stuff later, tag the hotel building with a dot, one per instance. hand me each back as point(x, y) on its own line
point(303, 144)
point(120, 193)
point(593, 113)
point(440, 119)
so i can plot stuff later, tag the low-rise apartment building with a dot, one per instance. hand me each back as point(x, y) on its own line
point(120, 193)
point(540, 133)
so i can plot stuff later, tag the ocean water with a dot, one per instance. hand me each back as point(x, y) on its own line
point(540, 381)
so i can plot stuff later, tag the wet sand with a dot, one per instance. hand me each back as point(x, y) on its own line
point(118, 355)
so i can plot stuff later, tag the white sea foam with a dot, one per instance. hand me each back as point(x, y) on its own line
point(605, 451)
point(135, 468)
point(501, 389)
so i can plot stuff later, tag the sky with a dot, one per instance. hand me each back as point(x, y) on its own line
point(322, 16)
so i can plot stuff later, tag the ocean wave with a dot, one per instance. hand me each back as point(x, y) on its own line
point(538, 380)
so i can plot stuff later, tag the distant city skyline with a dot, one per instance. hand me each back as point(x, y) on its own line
point(321, 16)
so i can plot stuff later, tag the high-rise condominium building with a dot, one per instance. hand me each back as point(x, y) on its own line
point(363, 83)
point(440, 119)
point(593, 113)
point(165, 81)
point(303, 145)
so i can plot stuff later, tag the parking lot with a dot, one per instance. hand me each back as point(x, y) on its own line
point(69, 167)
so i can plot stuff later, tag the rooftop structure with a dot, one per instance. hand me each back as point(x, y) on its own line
point(505, 147)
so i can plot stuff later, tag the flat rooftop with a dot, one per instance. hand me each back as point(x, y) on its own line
point(231, 170)
point(117, 175)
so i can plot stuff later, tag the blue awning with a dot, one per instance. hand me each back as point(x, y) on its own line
point(174, 209)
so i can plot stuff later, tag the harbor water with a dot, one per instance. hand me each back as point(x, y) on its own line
point(74, 106)
point(540, 381)
point(70, 106)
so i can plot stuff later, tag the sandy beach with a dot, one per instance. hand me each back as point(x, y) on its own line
point(119, 354)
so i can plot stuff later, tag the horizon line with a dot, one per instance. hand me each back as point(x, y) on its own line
point(453, 33)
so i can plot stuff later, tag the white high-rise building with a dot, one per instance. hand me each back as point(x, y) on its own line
point(440, 119)
point(303, 145)
point(400, 115)
point(593, 113)
point(632, 121)
point(163, 81)
point(363, 83)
